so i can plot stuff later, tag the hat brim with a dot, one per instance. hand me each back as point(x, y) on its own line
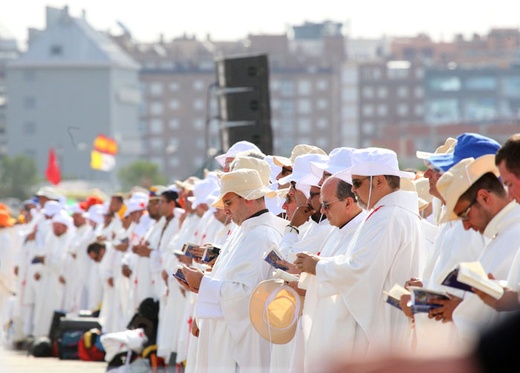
point(371, 169)
point(282, 161)
point(258, 306)
point(247, 194)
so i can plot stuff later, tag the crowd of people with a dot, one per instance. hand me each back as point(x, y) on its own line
point(347, 227)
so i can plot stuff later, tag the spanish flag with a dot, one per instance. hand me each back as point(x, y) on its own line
point(103, 155)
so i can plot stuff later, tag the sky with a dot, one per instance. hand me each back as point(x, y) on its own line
point(235, 19)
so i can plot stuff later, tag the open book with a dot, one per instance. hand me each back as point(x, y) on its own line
point(394, 295)
point(272, 256)
point(469, 275)
point(422, 298)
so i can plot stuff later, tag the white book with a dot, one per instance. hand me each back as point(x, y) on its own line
point(469, 275)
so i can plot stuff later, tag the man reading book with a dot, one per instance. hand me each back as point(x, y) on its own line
point(474, 194)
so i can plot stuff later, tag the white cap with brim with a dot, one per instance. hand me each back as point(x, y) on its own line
point(304, 185)
point(245, 182)
point(339, 159)
point(458, 179)
point(274, 309)
point(238, 147)
point(95, 214)
point(302, 167)
point(75, 209)
point(373, 162)
point(134, 205)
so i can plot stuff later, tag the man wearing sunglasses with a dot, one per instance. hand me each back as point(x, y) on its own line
point(474, 194)
point(384, 250)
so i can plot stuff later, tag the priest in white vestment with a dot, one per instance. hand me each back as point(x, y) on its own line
point(223, 295)
point(383, 251)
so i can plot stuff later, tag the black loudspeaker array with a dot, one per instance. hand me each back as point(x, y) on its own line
point(243, 100)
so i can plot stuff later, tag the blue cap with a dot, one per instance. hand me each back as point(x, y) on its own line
point(468, 145)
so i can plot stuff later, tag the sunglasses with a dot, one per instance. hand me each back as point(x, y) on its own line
point(326, 205)
point(356, 183)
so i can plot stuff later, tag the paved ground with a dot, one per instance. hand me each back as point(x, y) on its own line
point(18, 361)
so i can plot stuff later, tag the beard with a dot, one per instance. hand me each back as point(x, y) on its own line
point(360, 202)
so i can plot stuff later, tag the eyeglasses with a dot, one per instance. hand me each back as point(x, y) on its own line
point(228, 202)
point(356, 183)
point(326, 205)
point(464, 215)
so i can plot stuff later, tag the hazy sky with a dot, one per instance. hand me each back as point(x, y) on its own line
point(234, 19)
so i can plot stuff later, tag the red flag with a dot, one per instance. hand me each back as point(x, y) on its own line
point(53, 168)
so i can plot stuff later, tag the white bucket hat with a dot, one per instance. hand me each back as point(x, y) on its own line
point(51, 208)
point(339, 159)
point(274, 309)
point(95, 214)
point(447, 147)
point(302, 167)
point(48, 192)
point(62, 217)
point(458, 179)
point(245, 182)
point(204, 189)
point(135, 204)
point(373, 162)
point(238, 147)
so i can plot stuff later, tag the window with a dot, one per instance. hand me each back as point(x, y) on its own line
point(322, 123)
point(480, 109)
point(418, 92)
point(368, 128)
point(174, 161)
point(322, 85)
point(402, 110)
point(156, 126)
point(174, 104)
point(156, 88)
point(304, 106)
point(481, 83)
point(174, 124)
point(56, 50)
point(442, 111)
point(402, 92)
point(511, 86)
point(382, 92)
point(322, 142)
point(382, 110)
point(198, 104)
point(198, 124)
point(156, 108)
point(368, 110)
point(304, 125)
point(418, 110)
point(197, 161)
point(199, 85)
point(158, 161)
point(447, 83)
point(304, 87)
point(322, 104)
point(287, 88)
point(398, 69)
point(156, 144)
point(174, 86)
point(367, 92)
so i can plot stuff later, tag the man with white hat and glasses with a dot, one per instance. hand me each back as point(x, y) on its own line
point(383, 251)
point(227, 340)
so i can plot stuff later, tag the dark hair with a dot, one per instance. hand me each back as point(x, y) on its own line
point(118, 198)
point(510, 154)
point(344, 190)
point(488, 182)
point(95, 247)
point(394, 182)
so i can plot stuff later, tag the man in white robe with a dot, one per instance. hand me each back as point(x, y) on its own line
point(383, 251)
point(223, 295)
point(50, 296)
point(474, 194)
point(323, 309)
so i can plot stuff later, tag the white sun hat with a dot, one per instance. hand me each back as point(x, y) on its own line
point(238, 147)
point(260, 165)
point(339, 159)
point(302, 167)
point(204, 189)
point(373, 162)
point(447, 147)
point(298, 150)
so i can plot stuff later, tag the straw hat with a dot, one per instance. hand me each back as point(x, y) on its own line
point(274, 309)
point(187, 184)
point(260, 165)
point(458, 179)
point(245, 182)
point(409, 186)
point(373, 162)
point(298, 150)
